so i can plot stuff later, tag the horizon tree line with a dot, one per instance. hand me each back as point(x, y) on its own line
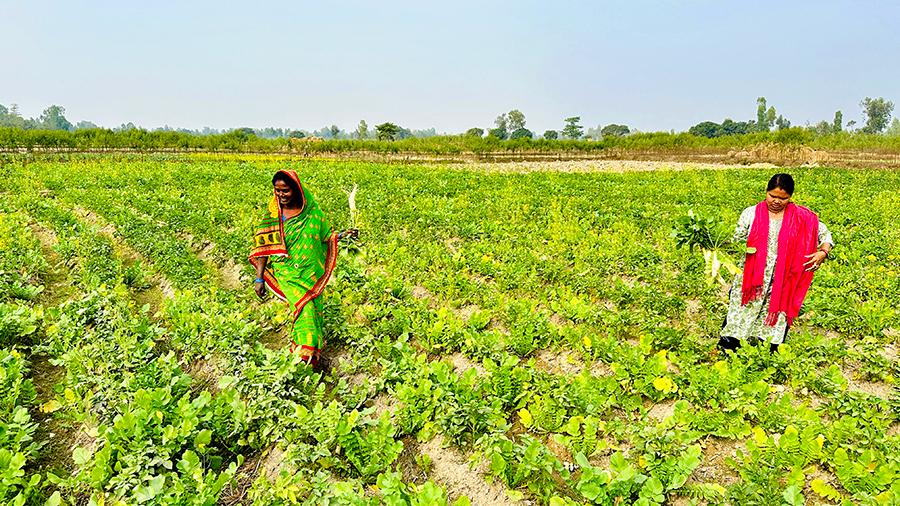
point(507, 126)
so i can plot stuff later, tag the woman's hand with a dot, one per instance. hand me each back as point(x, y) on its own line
point(350, 232)
point(260, 286)
point(815, 260)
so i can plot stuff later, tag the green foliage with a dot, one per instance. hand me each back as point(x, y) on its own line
point(567, 317)
point(20, 254)
point(614, 130)
point(525, 462)
point(581, 435)
point(867, 471)
point(18, 322)
point(18, 448)
point(498, 133)
point(389, 489)
point(370, 450)
point(386, 131)
point(706, 232)
point(152, 450)
point(521, 133)
point(529, 328)
point(572, 129)
point(516, 121)
point(877, 112)
point(53, 118)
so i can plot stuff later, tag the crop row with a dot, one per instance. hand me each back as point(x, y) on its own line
point(155, 434)
point(588, 250)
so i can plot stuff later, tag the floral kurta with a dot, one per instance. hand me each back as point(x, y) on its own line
point(744, 322)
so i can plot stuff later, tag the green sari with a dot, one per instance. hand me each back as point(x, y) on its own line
point(302, 251)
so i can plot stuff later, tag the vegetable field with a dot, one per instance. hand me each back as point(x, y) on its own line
point(498, 338)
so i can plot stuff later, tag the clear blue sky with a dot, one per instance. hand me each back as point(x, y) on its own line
point(452, 65)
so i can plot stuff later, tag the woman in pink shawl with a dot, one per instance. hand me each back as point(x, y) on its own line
point(786, 244)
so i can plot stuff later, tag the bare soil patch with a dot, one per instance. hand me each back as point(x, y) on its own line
point(601, 368)
point(420, 292)
point(406, 463)
point(559, 362)
point(450, 469)
point(877, 388)
point(461, 364)
point(713, 468)
point(662, 410)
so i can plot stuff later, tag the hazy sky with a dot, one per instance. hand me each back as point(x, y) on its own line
point(451, 65)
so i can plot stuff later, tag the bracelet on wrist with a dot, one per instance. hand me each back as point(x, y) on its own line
point(260, 280)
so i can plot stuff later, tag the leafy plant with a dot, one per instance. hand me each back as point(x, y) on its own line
point(709, 234)
point(17, 322)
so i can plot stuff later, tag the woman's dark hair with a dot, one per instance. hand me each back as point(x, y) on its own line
point(295, 189)
point(783, 181)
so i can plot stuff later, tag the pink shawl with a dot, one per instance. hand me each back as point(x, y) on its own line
point(799, 237)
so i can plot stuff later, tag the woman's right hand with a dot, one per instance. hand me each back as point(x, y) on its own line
point(260, 289)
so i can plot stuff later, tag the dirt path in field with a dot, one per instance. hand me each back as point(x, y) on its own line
point(231, 276)
point(129, 257)
point(614, 166)
point(58, 434)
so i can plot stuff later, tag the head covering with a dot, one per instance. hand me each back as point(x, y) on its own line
point(797, 239)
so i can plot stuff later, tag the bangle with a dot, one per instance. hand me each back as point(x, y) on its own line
point(260, 280)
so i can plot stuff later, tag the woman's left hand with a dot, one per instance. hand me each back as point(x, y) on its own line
point(814, 260)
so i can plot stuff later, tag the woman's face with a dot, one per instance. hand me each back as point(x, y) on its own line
point(283, 193)
point(777, 199)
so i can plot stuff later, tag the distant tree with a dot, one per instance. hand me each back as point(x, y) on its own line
point(362, 131)
point(386, 131)
point(297, 134)
point(335, 132)
point(837, 126)
point(516, 121)
point(272, 133)
point(475, 132)
point(502, 127)
point(551, 135)
point(761, 113)
point(614, 130)
point(499, 133)
point(573, 130)
point(783, 124)
point(894, 129)
point(850, 125)
point(4, 112)
point(731, 127)
point(424, 133)
point(823, 128)
point(502, 122)
point(770, 118)
point(878, 114)
point(709, 129)
point(53, 118)
point(403, 133)
point(521, 133)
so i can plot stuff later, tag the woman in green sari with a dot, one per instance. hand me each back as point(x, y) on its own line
point(294, 253)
